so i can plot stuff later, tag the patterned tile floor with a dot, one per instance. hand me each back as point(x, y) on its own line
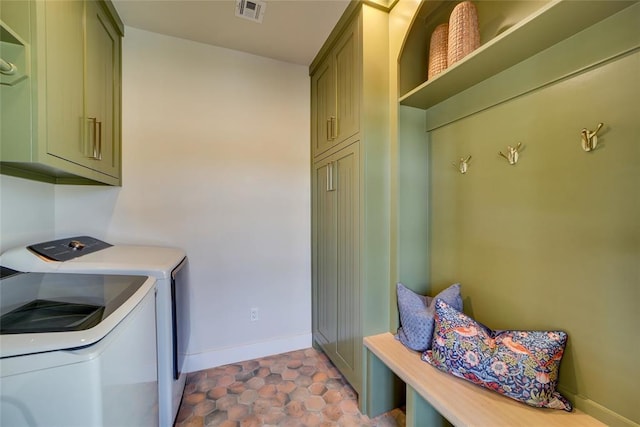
point(299, 388)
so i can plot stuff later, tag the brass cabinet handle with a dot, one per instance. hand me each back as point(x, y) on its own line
point(94, 131)
point(328, 175)
point(330, 185)
point(334, 127)
point(331, 177)
point(97, 139)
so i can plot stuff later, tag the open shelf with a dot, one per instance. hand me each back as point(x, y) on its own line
point(15, 54)
point(552, 23)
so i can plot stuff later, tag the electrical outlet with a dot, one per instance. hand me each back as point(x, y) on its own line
point(253, 314)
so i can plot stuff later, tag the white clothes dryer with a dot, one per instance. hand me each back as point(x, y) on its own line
point(84, 254)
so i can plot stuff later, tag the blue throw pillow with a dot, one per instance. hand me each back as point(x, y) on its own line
point(417, 315)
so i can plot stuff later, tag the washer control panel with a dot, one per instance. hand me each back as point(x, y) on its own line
point(69, 248)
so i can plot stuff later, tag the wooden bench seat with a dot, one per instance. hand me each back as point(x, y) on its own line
point(460, 402)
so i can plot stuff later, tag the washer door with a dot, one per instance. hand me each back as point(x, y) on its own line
point(43, 315)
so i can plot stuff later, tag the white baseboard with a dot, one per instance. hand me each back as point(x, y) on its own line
point(219, 357)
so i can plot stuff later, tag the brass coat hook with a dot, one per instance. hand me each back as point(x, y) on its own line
point(463, 164)
point(590, 138)
point(513, 153)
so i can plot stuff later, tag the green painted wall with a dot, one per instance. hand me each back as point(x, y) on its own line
point(554, 241)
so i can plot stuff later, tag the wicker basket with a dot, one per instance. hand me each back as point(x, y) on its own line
point(438, 50)
point(464, 35)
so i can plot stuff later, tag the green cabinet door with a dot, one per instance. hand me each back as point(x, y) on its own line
point(64, 100)
point(102, 58)
point(347, 64)
point(323, 108)
point(349, 336)
point(336, 280)
point(325, 266)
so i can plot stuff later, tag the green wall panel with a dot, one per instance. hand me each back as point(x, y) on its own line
point(413, 201)
point(554, 241)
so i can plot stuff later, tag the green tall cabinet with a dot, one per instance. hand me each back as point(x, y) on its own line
point(350, 190)
point(61, 124)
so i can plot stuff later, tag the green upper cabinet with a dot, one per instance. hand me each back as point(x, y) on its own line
point(62, 123)
point(335, 109)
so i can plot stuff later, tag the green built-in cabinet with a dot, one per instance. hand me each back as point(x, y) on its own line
point(350, 194)
point(62, 123)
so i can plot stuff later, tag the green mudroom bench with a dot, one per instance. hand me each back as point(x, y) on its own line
point(432, 394)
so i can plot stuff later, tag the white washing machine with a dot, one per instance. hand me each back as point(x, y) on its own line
point(167, 265)
point(77, 350)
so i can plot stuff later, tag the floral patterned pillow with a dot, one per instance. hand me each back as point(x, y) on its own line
point(522, 365)
point(417, 312)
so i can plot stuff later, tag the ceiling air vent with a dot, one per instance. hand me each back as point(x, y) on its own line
point(250, 9)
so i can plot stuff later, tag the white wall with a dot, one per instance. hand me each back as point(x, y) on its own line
point(26, 212)
point(216, 161)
